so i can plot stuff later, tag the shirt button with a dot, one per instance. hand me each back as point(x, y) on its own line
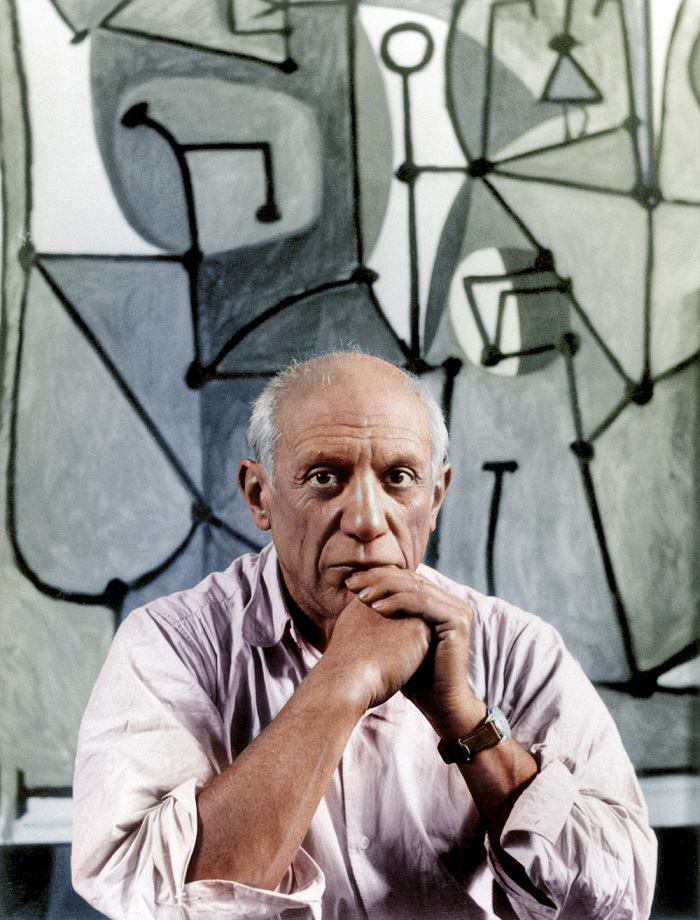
point(364, 843)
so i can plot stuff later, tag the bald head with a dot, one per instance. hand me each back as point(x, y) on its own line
point(346, 375)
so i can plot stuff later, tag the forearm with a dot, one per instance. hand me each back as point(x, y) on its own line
point(495, 776)
point(253, 816)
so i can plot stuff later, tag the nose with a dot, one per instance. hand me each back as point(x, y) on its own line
point(364, 515)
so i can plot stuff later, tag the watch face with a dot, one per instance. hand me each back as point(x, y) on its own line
point(500, 721)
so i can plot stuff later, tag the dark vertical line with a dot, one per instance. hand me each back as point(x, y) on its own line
point(451, 368)
point(351, 26)
point(193, 258)
point(567, 18)
point(573, 393)
point(476, 313)
point(503, 295)
point(412, 223)
point(230, 13)
point(663, 113)
point(620, 611)
point(633, 117)
point(648, 292)
point(6, 158)
point(499, 469)
point(488, 84)
point(270, 200)
point(653, 177)
point(491, 537)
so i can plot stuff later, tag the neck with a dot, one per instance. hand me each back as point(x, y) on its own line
point(318, 634)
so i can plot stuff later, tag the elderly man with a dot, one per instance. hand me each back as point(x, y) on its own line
point(332, 729)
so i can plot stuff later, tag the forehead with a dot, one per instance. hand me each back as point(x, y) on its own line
point(345, 411)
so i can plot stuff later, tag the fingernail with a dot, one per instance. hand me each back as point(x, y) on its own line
point(364, 593)
point(376, 605)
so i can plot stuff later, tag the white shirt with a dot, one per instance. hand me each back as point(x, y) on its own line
point(191, 679)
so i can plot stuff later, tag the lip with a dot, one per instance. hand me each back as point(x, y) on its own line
point(349, 568)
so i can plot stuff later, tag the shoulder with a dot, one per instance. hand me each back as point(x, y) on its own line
point(201, 622)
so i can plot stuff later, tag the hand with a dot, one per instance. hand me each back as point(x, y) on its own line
point(374, 654)
point(440, 687)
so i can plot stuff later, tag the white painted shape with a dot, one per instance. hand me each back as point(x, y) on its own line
point(434, 144)
point(484, 262)
point(673, 801)
point(74, 209)
point(685, 675)
point(663, 15)
point(47, 820)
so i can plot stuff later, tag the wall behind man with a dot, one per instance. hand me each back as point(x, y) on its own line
point(504, 197)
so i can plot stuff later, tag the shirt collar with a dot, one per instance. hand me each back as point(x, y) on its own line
point(266, 616)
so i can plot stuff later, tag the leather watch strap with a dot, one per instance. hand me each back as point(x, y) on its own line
point(461, 750)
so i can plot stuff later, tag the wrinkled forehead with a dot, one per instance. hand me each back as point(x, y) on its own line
point(352, 397)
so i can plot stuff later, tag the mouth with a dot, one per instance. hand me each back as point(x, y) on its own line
point(346, 569)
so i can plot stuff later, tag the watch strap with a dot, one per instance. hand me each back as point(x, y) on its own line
point(488, 734)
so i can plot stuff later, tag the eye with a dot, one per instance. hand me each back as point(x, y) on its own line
point(324, 479)
point(400, 478)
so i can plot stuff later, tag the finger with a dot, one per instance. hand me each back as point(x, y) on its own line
point(380, 582)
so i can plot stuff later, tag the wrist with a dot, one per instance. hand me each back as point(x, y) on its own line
point(342, 684)
point(462, 719)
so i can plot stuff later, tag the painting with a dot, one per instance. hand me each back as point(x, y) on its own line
point(500, 195)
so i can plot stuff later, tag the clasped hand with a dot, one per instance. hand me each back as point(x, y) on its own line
point(437, 682)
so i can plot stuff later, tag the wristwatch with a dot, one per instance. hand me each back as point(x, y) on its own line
point(494, 730)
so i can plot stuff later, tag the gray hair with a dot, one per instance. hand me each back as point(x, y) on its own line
point(263, 433)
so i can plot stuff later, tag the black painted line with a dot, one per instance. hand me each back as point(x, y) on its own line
point(61, 13)
point(567, 18)
point(21, 562)
point(99, 257)
point(633, 117)
point(553, 148)
point(517, 220)
point(269, 313)
point(351, 26)
point(191, 46)
point(192, 259)
point(488, 78)
point(131, 398)
point(414, 280)
point(403, 346)
point(620, 611)
point(118, 8)
point(499, 469)
point(682, 202)
point(26, 157)
point(563, 183)
point(265, 150)
point(648, 294)
point(451, 368)
point(653, 178)
point(664, 96)
point(678, 368)
point(463, 170)
point(583, 316)
point(574, 401)
point(603, 426)
point(471, 299)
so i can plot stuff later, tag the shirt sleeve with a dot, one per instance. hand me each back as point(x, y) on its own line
point(580, 831)
point(151, 738)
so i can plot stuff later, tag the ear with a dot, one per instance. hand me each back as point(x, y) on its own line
point(440, 491)
point(251, 482)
